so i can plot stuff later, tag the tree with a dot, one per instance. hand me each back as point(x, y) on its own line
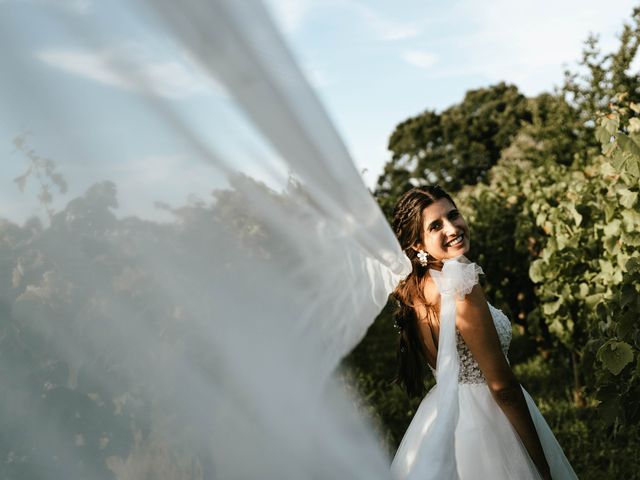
point(457, 147)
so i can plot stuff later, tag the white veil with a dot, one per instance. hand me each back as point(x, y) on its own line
point(187, 249)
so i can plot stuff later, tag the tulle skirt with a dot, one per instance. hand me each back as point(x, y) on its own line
point(486, 446)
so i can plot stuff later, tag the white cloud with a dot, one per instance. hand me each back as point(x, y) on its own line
point(290, 15)
point(527, 43)
point(131, 67)
point(420, 59)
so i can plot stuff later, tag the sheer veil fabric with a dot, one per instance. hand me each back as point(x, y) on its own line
point(187, 249)
point(435, 458)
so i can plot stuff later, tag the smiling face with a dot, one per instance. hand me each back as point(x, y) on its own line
point(445, 233)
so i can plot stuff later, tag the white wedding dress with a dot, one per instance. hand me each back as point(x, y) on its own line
point(486, 444)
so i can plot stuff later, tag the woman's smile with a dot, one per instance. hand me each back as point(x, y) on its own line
point(457, 242)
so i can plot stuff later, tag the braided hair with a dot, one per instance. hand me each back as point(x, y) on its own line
point(408, 227)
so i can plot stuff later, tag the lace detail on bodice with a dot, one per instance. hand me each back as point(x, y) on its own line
point(469, 370)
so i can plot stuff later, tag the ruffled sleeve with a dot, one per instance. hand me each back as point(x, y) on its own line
point(456, 278)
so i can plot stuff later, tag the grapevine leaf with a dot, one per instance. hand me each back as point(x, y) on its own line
point(608, 170)
point(612, 228)
point(626, 323)
point(535, 271)
point(592, 300)
point(552, 307)
point(627, 197)
point(608, 409)
point(633, 265)
point(634, 125)
point(576, 216)
point(631, 220)
point(633, 167)
point(610, 124)
point(628, 145)
point(615, 355)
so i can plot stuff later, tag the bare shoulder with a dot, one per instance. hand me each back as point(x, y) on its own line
point(431, 293)
point(472, 309)
point(432, 297)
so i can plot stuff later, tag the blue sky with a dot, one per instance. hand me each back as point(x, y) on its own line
point(373, 64)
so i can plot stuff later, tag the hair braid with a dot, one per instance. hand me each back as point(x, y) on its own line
point(407, 225)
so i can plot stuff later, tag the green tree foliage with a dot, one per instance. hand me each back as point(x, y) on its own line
point(589, 269)
point(555, 218)
point(62, 283)
point(603, 77)
point(598, 82)
point(456, 147)
point(574, 213)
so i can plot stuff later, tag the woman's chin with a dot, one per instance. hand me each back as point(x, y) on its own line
point(453, 252)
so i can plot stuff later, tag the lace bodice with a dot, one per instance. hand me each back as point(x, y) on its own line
point(469, 370)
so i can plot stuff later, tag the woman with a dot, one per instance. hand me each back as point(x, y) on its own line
point(494, 427)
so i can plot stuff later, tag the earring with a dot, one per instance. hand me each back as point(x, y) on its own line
point(423, 258)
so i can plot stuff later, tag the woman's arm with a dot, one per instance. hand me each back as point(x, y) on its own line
point(476, 326)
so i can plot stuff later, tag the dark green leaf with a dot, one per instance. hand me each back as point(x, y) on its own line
point(615, 355)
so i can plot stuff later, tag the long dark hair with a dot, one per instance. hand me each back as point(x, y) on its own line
point(408, 226)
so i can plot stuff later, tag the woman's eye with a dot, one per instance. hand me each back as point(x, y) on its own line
point(454, 214)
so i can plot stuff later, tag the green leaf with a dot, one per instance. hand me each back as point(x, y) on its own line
point(608, 170)
point(610, 124)
point(610, 244)
point(606, 266)
point(608, 410)
point(536, 272)
point(631, 220)
point(626, 323)
point(603, 136)
point(583, 289)
point(633, 167)
point(619, 160)
point(562, 241)
point(634, 125)
point(608, 148)
point(612, 229)
point(552, 307)
point(628, 145)
point(630, 239)
point(627, 197)
point(615, 355)
point(592, 300)
point(627, 295)
point(632, 265)
point(574, 213)
point(609, 212)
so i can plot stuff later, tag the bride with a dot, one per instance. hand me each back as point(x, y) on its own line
point(484, 425)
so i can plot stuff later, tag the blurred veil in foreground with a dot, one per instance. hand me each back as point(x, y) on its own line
point(187, 250)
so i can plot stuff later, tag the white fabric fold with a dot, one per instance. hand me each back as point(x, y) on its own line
point(435, 458)
point(206, 251)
